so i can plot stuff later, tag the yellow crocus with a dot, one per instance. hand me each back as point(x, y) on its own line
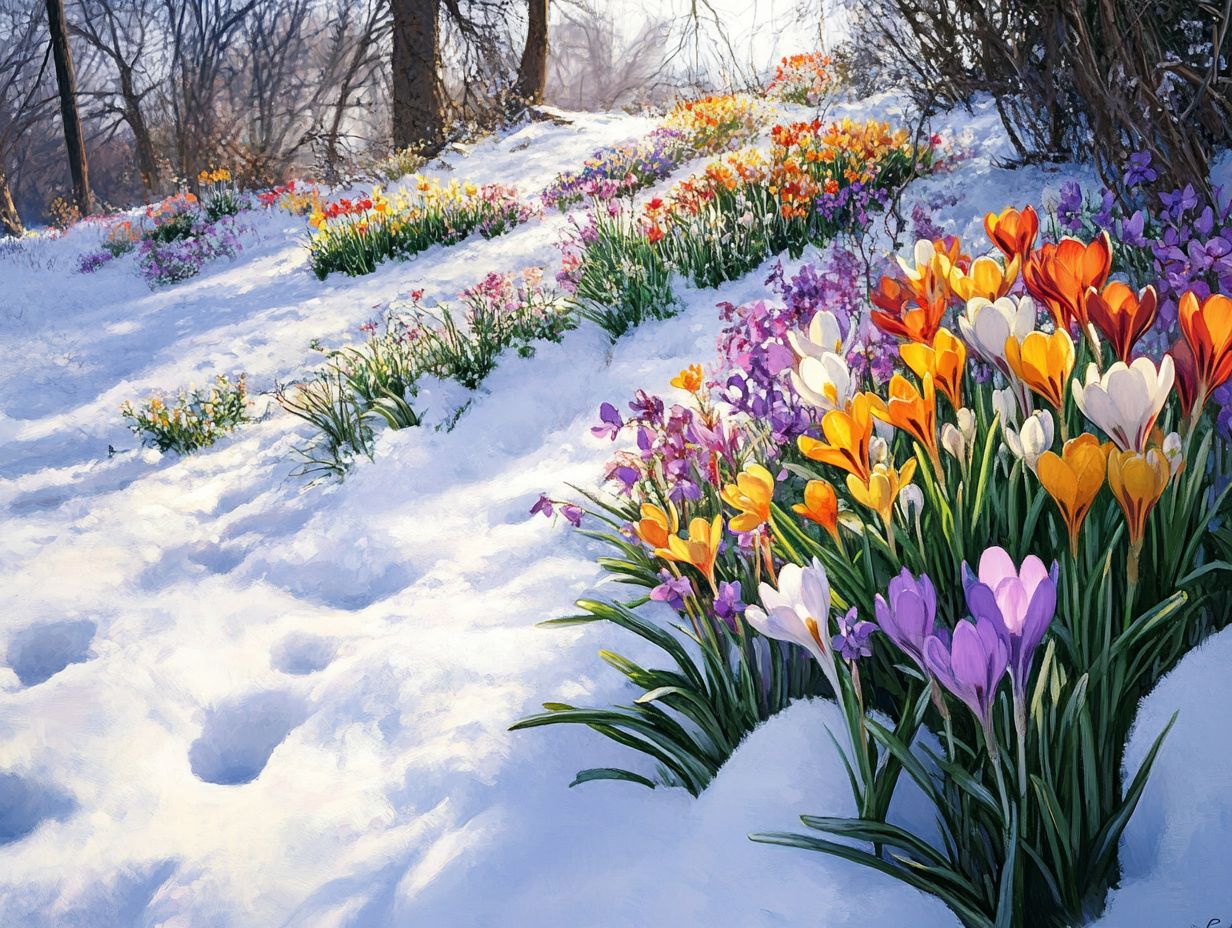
point(751, 495)
point(881, 489)
point(848, 433)
point(987, 278)
point(657, 525)
point(1138, 480)
point(913, 411)
point(1073, 479)
point(943, 360)
point(1043, 363)
point(700, 550)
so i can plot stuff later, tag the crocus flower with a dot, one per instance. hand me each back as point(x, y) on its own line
point(751, 495)
point(1187, 384)
point(673, 590)
point(1019, 601)
point(1138, 480)
point(987, 325)
point(1043, 363)
point(971, 666)
point(1126, 400)
point(689, 379)
point(944, 360)
point(987, 278)
point(820, 505)
point(907, 613)
point(656, 525)
point(611, 422)
point(901, 311)
point(1073, 479)
point(700, 550)
point(572, 514)
point(824, 336)
point(542, 505)
point(852, 641)
point(914, 411)
point(799, 612)
point(847, 434)
point(727, 604)
point(1122, 315)
point(881, 489)
point(823, 381)
point(1012, 231)
point(1032, 440)
point(1207, 329)
point(1061, 275)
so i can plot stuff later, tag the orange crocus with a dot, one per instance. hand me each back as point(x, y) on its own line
point(1060, 275)
point(1207, 330)
point(1186, 367)
point(910, 309)
point(1122, 315)
point(689, 379)
point(700, 550)
point(1012, 231)
point(657, 525)
point(848, 433)
point(944, 360)
point(1043, 363)
point(751, 495)
point(1073, 479)
point(820, 505)
point(913, 411)
point(1138, 480)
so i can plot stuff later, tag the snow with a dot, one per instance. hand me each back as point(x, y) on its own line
point(226, 700)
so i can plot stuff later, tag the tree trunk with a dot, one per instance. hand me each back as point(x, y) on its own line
point(74, 142)
point(533, 71)
point(418, 100)
point(10, 220)
point(147, 163)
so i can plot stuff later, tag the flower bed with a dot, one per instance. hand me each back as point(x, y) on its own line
point(1001, 535)
point(355, 235)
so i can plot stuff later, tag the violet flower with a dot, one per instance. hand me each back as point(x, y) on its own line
point(852, 640)
point(971, 667)
point(908, 615)
point(542, 505)
point(612, 423)
point(728, 605)
point(672, 590)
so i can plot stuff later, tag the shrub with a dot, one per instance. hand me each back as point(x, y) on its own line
point(171, 219)
point(399, 163)
point(328, 402)
point(195, 419)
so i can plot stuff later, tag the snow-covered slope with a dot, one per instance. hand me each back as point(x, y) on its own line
point(228, 701)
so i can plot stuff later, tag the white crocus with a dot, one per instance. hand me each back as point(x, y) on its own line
point(952, 440)
point(922, 254)
point(1005, 405)
point(986, 325)
point(799, 612)
point(1126, 400)
point(823, 336)
point(823, 381)
point(966, 424)
point(1033, 439)
point(878, 451)
point(1174, 452)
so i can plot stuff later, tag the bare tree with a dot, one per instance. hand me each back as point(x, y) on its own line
point(74, 140)
point(24, 97)
point(533, 70)
point(418, 101)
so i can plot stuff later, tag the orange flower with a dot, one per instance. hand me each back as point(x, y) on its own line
point(1060, 275)
point(1122, 315)
point(943, 361)
point(1207, 329)
point(820, 505)
point(986, 278)
point(1138, 481)
point(1043, 363)
point(848, 433)
point(700, 550)
point(910, 310)
point(656, 526)
point(913, 411)
point(1012, 231)
point(1187, 385)
point(751, 494)
point(689, 379)
point(1073, 479)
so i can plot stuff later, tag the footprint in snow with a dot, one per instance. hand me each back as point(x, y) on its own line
point(239, 736)
point(39, 652)
point(301, 653)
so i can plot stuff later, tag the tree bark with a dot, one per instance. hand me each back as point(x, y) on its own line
point(533, 71)
point(418, 100)
point(74, 141)
point(10, 220)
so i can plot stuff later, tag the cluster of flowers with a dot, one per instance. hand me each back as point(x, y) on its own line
point(195, 419)
point(720, 223)
point(219, 195)
point(715, 123)
point(179, 259)
point(619, 170)
point(292, 197)
point(804, 79)
point(1021, 429)
point(355, 235)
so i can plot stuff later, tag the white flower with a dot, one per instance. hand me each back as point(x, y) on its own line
point(987, 325)
point(799, 612)
point(911, 500)
point(878, 451)
point(953, 441)
point(1127, 399)
point(1173, 452)
point(1032, 440)
point(822, 337)
point(922, 254)
point(823, 381)
point(966, 424)
point(1005, 405)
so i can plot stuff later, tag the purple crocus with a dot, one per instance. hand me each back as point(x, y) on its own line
point(672, 590)
point(971, 666)
point(542, 505)
point(572, 514)
point(1019, 603)
point(852, 640)
point(908, 615)
point(611, 422)
point(728, 605)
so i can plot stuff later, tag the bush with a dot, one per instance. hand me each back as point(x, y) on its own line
point(196, 419)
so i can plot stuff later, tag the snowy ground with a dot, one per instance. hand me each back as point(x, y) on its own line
point(228, 701)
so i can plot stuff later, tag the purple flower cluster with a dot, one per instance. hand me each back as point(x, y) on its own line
point(169, 262)
point(502, 209)
point(91, 261)
point(849, 206)
point(619, 170)
point(673, 445)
